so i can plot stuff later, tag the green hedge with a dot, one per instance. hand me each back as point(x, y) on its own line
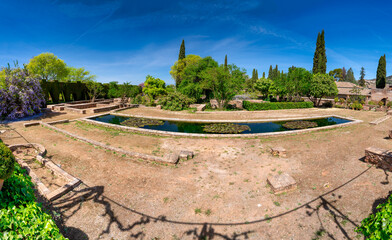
point(250, 106)
point(21, 217)
point(379, 225)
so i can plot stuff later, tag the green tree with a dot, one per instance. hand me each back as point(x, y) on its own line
point(177, 70)
point(226, 61)
point(297, 83)
point(94, 89)
point(336, 74)
point(266, 87)
point(47, 66)
point(344, 75)
point(361, 80)
point(154, 87)
point(321, 85)
point(221, 83)
point(263, 74)
point(350, 76)
point(256, 75)
point(320, 57)
point(270, 72)
point(181, 55)
point(381, 72)
point(79, 74)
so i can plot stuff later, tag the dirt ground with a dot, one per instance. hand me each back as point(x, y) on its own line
point(222, 193)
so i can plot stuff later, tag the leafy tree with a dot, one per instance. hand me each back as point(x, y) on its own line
point(154, 87)
point(270, 72)
point(320, 57)
point(181, 55)
point(192, 75)
point(297, 83)
point(336, 74)
point(381, 72)
point(47, 66)
point(79, 74)
point(321, 85)
point(350, 76)
point(177, 69)
point(221, 83)
point(266, 87)
point(113, 91)
point(94, 89)
point(361, 80)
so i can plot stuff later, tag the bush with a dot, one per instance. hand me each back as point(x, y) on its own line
point(356, 106)
point(379, 225)
point(389, 104)
point(327, 104)
point(372, 103)
point(251, 106)
point(21, 216)
point(175, 101)
point(380, 103)
point(336, 99)
point(7, 162)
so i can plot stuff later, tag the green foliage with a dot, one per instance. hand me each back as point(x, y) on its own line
point(299, 124)
point(47, 66)
point(381, 72)
point(265, 86)
point(321, 85)
point(21, 216)
point(350, 76)
point(336, 74)
point(79, 74)
point(297, 82)
point(175, 101)
point(7, 162)
point(356, 105)
point(154, 87)
point(94, 89)
point(336, 99)
point(380, 103)
point(141, 122)
point(181, 55)
point(372, 103)
point(320, 57)
point(389, 104)
point(225, 128)
point(177, 70)
point(378, 225)
point(361, 80)
point(116, 90)
point(251, 106)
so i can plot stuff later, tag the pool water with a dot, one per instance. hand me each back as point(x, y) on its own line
point(197, 127)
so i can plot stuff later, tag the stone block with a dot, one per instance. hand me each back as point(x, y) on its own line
point(380, 157)
point(29, 124)
point(214, 103)
point(158, 107)
point(278, 151)
point(201, 107)
point(185, 155)
point(236, 104)
point(282, 183)
point(172, 158)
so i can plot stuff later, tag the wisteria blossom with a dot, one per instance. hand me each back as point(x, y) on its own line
point(20, 95)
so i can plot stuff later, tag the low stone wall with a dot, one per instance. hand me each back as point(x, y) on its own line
point(379, 157)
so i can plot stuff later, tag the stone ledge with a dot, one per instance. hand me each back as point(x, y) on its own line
point(50, 195)
point(185, 155)
point(282, 183)
point(380, 157)
point(380, 120)
point(59, 121)
point(29, 124)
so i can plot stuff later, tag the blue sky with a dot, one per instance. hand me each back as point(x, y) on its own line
point(120, 40)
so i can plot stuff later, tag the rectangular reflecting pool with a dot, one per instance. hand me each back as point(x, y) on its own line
point(199, 127)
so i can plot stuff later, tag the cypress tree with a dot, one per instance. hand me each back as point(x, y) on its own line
point(181, 55)
point(256, 75)
point(381, 72)
point(270, 72)
point(344, 75)
point(263, 74)
point(253, 74)
point(226, 61)
point(320, 57)
point(350, 76)
point(361, 80)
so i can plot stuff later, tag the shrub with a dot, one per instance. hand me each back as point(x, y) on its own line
point(336, 99)
point(7, 162)
point(251, 106)
point(372, 103)
point(342, 100)
point(175, 101)
point(389, 104)
point(380, 103)
point(378, 225)
point(356, 106)
point(21, 216)
point(327, 104)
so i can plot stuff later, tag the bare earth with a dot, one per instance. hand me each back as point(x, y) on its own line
point(222, 193)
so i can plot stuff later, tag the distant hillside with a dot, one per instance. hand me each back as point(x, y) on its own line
point(389, 80)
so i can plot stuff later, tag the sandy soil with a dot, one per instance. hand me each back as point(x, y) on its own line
point(222, 193)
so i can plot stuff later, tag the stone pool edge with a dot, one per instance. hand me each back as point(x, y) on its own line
point(179, 134)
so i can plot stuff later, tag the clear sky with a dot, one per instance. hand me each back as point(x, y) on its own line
point(120, 40)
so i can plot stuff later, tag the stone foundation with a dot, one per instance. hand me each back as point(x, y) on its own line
point(282, 183)
point(379, 157)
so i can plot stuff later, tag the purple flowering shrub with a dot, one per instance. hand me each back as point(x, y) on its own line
point(20, 95)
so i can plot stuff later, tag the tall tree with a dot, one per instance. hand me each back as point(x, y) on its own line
point(320, 57)
point(381, 72)
point(256, 75)
point(336, 74)
point(47, 66)
point(253, 74)
point(344, 75)
point(263, 74)
point(181, 55)
point(350, 76)
point(226, 61)
point(361, 80)
point(270, 72)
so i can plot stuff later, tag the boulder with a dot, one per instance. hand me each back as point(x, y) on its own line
point(214, 103)
point(380, 157)
point(282, 183)
point(185, 155)
point(278, 151)
point(236, 104)
point(172, 158)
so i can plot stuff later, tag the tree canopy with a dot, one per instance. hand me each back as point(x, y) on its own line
point(47, 66)
point(154, 87)
point(381, 72)
point(320, 57)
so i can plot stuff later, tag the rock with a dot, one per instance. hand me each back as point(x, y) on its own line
point(236, 104)
point(172, 158)
point(366, 108)
point(282, 183)
point(185, 155)
point(199, 107)
point(2, 131)
point(214, 103)
point(159, 107)
point(390, 134)
point(29, 124)
point(278, 151)
point(380, 157)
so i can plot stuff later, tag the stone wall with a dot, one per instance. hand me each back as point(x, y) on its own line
point(379, 157)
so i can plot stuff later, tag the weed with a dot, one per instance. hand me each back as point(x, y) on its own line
point(197, 211)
